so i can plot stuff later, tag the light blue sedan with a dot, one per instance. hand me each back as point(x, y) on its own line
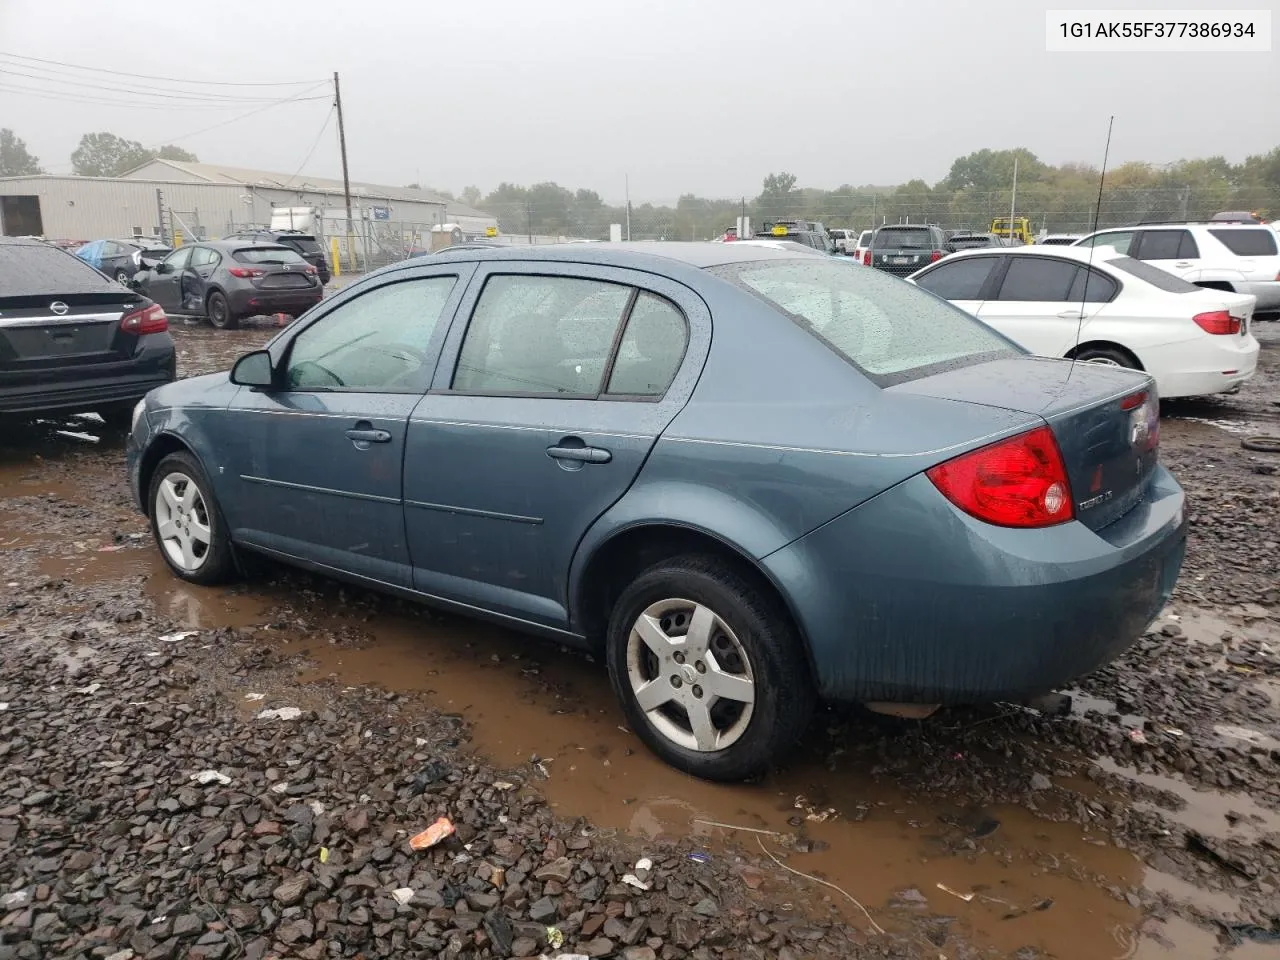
point(749, 477)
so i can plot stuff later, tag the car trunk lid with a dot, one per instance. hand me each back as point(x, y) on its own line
point(40, 331)
point(1105, 420)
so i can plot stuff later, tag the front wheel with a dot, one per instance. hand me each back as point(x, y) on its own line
point(186, 522)
point(220, 314)
point(122, 278)
point(709, 669)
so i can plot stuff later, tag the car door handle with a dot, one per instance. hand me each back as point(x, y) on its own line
point(369, 436)
point(1183, 264)
point(580, 454)
point(1071, 314)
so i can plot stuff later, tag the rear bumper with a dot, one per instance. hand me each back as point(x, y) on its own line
point(252, 302)
point(907, 599)
point(89, 387)
point(1199, 368)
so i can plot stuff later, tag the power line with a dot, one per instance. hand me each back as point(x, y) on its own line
point(79, 83)
point(69, 97)
point(296, 98)
point(145, 76)
point(305, 160)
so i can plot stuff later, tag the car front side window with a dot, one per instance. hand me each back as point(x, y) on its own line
point(177, 260)
point(378, 342)
point(959, 280)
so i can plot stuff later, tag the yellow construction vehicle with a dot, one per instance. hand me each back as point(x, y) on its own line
point(1021, 232)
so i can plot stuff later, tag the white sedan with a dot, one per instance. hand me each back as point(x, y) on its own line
point(1057, 302)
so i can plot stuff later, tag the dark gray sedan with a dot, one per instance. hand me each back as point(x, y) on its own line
point(748, 477)
point(228, 280)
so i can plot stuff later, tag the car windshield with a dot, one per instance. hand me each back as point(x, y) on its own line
point(1153, 275)
point(903, 238)
point(888, 329)
point(267, 255)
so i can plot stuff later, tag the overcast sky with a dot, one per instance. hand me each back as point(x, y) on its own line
point(702, 96)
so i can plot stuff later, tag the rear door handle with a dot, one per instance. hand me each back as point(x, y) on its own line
point(580, 454)
point(369, 436)
point(1183, 264)
point(1071, 314)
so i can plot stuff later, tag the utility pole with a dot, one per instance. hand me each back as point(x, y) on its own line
point(342, 144)
point(1013, 199)
point(627, 181)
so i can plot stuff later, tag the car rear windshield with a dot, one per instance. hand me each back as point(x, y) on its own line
point(267, 255)
point(37, 270)
point(890, 330)
point(971, 241)
point(1247, 243)
point(1153, 275)
point(903, 238)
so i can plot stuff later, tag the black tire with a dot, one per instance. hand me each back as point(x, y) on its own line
point(218, 564)
point(219, 312)
point(784, 695)
point(122, 278)
point(1107, 355)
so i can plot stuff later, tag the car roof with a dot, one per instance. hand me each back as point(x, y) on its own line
point(1080, 254)
point(642, 254)
point(23, 242)
point(231, 244)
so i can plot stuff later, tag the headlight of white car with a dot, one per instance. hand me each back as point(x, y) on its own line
point(137, 413)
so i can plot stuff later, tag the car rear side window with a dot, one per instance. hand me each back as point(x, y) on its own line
point(541, 336)
point(1037, 279)
point(1119, 239)
point(1092, 286)
point(37, 270)
point(1247, 243)
point(888, 329)
point(652, 346)
point(378, 342)
point(960, 279)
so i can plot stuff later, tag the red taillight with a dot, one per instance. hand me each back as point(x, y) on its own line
point(245, 272)
point(147, 320)
point(1019, 482)
point(1133, 401)
point(866, 258)
point(312, 270)
point(937, 255)
point(1217, 322)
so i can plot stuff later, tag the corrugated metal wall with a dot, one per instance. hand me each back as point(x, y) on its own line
point(92, 208)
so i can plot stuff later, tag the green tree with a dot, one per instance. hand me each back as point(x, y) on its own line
point(15, 161)
point(106, 155)
point(170, 152)
point(471, 196)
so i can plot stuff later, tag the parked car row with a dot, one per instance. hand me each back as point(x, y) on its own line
point(592, 443)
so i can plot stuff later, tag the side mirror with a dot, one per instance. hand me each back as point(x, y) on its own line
point(253, 370)
point(163, 268)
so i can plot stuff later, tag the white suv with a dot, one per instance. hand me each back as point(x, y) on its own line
point(1242, 258)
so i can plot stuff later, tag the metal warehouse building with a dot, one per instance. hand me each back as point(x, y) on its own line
point(209, 200)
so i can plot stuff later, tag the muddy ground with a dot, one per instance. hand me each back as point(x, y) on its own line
point(1144, 823)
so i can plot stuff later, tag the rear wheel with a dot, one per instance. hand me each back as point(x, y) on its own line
point(186, 522)
point(219, 311)
point(1107, 357)
point(709, 669)
point(122, 277)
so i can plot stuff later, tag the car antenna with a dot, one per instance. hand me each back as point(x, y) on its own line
point(1088, 269)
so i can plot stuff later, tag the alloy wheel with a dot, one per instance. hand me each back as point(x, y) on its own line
point(182, 522)
point(691, 675)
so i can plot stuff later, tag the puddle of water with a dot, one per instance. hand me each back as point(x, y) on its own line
point(1206, 811)
point(201, 608)
point(883, 840)
point(94, 565)
point(1180, 891)
point(1177, 939)
point(202, 349)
